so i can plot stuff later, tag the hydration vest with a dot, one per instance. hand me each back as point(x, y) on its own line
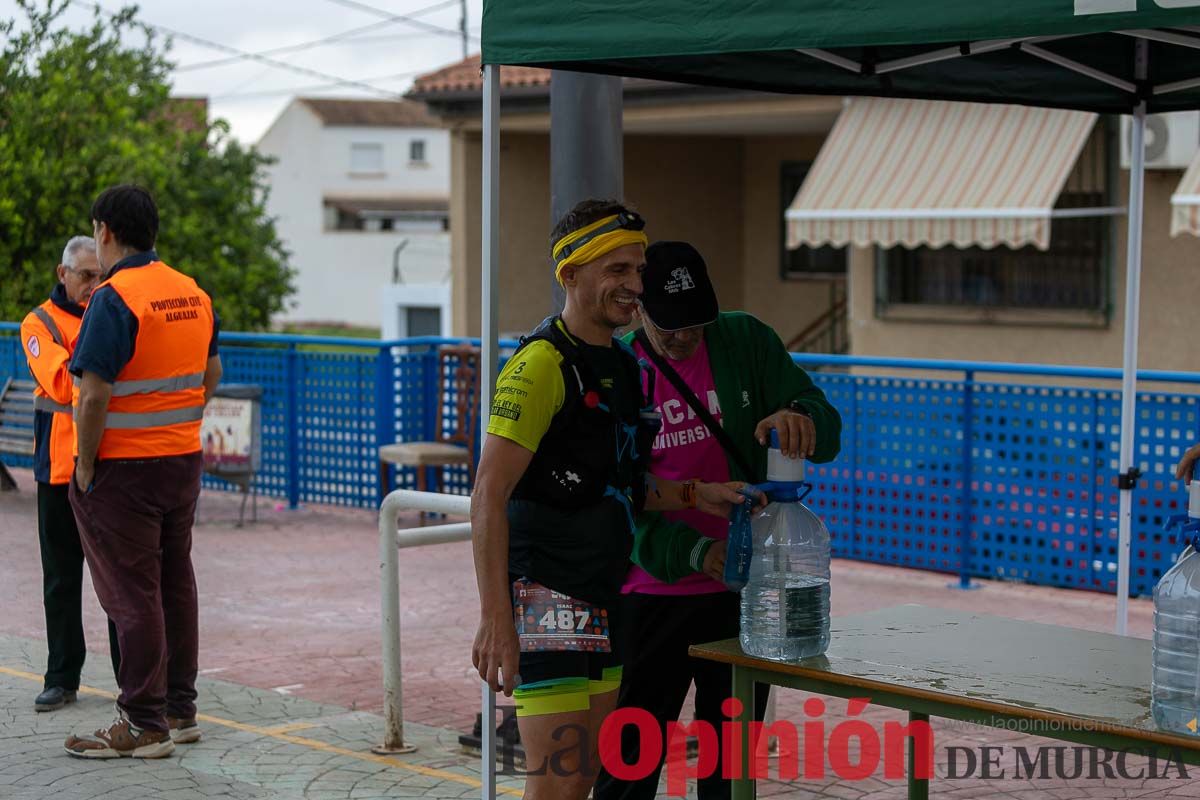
point(571, 515)
point(591, 449)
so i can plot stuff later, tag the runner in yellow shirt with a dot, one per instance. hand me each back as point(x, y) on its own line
point(561, 476)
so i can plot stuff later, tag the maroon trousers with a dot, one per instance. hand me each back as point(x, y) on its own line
point(135, 526)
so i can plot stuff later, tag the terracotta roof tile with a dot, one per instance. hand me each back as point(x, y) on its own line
point(370, 113)
point(464, 77)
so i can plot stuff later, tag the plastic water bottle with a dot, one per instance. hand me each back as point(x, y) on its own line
point(785, 603)
point(1175, 686)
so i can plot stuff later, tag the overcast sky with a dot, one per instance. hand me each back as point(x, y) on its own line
point(249, 93)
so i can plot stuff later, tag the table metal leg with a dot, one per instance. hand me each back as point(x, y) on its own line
point(918, 788)
point(743, 690)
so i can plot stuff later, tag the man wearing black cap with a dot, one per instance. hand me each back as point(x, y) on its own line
point(723, 381)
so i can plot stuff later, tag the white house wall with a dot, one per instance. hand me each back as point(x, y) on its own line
point(295, 188)
point(345, 272)
point(340, 274)
point(400, 177)
point(396, 299)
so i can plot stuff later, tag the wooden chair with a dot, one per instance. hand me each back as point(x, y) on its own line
point(458, 374)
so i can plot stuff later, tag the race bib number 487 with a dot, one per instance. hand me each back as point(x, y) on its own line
point(549, 621)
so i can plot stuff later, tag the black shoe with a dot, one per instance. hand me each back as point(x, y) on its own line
point(53, 699)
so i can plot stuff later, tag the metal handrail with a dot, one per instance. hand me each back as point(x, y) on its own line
point(391, 541)
point(818, 327)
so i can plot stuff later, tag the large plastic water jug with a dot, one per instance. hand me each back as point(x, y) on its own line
point(1175, 685)
point(785, 602)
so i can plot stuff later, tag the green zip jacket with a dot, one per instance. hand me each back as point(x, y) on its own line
point(755, 377)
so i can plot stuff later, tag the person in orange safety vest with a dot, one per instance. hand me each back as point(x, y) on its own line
point(48, 334)
point(147, 364)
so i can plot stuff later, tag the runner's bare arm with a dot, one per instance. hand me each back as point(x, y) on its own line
point(496, 648)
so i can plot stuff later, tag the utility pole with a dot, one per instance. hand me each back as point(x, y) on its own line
point(462, 26)
point(586, 147)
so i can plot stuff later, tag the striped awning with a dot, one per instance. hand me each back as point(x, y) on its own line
point(920, 172)
point(1185, 203)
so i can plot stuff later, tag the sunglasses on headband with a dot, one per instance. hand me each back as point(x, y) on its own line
point(626, 220)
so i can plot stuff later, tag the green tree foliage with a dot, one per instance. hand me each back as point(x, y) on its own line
point(83, 110)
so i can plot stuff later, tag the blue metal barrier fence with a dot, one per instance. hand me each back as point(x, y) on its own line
point(978, 478)
point(328, 404)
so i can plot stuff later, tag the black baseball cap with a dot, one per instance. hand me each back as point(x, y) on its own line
point(676, 291)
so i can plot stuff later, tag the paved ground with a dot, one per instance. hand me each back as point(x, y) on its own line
point(290, 636)
point(256, 744)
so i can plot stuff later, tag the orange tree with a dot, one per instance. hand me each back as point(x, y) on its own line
point(82, 110)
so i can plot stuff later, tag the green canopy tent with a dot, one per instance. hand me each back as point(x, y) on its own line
point(1105, 56)
point(1078, 54)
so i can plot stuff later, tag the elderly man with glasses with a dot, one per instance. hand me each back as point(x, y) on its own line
point(48, 335)
point(723, 381)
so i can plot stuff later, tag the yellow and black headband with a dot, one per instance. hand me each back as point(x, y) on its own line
point(601, 237)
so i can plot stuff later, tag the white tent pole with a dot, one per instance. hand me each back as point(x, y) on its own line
point(1133, 279)
point(1082, 69)
point(930, 57)
point(490, 356)
point(948, 53)
point(1165, 36)
point(833, 58)
point(491, 236)
point(1177, 86)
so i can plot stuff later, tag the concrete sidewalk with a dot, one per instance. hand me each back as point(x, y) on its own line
point(256, 744)
point(290, 636)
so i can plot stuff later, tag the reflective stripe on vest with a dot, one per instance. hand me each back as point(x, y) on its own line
point(175, 384)
point(42, 403)
point(125, 388)
point(57, 328)
point(48, 321)
point(152, 419)
point(157, 399)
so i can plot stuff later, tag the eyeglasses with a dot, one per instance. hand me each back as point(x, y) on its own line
point(683, 333)
point(87, 276)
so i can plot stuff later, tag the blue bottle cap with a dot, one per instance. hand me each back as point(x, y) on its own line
point(774, 443)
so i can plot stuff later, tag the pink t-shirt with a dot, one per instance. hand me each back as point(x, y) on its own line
point(685, 449)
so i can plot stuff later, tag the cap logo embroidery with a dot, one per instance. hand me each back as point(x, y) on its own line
point(681, 280)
